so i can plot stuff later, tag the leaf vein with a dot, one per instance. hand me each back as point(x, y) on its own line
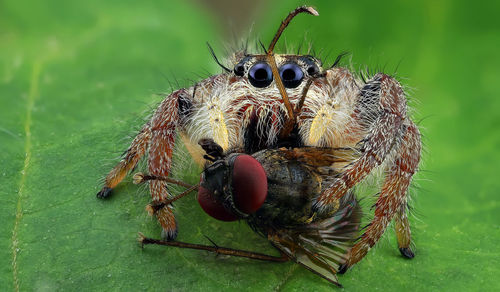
point(33, 92)
point(292, 270)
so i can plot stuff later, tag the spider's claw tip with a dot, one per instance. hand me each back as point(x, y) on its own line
point(104, 193)
point(141, 239)
point(342, 269)
point(406, 252)
point(168, 235)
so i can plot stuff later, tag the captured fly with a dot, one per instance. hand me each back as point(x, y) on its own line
point(273, 190)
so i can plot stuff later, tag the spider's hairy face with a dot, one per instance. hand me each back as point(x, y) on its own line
point(244, 108)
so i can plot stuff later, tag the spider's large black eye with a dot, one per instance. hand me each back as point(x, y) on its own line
point(291, 75)
point(260, 75)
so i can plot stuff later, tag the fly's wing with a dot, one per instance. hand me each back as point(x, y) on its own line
point(323, 246)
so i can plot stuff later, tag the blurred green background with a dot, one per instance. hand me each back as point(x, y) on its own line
point(78, 77)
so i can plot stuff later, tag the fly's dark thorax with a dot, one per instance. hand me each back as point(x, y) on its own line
point(292, 186)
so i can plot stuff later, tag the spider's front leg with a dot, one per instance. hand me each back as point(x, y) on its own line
point(393, 199)
point(163, 131)
point(381, 112)
point(157, 137)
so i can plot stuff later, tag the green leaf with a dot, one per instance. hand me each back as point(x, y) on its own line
point(77, 79)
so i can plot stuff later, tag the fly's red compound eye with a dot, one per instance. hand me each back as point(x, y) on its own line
point(249, 184)
point(245, 195)
point(213, 207)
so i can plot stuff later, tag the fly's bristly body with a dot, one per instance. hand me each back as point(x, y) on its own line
point(274, 191)
point(283, 101)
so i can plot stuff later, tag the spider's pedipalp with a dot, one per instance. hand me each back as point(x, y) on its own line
point(326, 116)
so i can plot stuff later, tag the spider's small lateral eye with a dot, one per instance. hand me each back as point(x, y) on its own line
point(260, 75)
point(239, 69)
point(291, 75)
point(312, 70)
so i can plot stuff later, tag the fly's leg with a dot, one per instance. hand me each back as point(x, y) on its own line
point(141, 178)
point(392, 199)
point(132, 156)
point(216, 249)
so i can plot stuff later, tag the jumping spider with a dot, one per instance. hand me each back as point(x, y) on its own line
point(268, 101)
